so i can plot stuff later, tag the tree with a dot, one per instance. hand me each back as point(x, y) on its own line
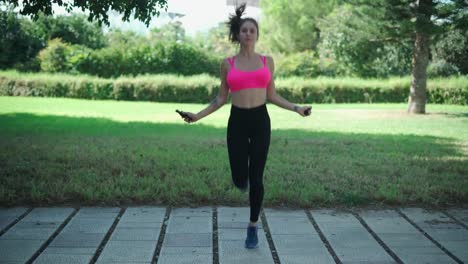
point(54, 57)
point(216, 41)
point(291, 26)
point(453, 48)
point(168, 33)
point(73, 29)
point(350, 39)
point(419, 21)
point(116, 37)
point(141, 10)
point(19, 42)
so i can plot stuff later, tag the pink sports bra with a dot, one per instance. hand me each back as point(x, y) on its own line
point(239, 80)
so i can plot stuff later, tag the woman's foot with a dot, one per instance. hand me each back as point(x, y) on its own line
point(252, 238)
point(244, 188)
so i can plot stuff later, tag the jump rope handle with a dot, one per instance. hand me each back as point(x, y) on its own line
point(184, 115)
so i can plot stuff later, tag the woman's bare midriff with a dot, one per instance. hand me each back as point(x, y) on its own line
point(249, 98)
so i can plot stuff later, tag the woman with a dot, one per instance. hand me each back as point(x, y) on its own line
point(248, 76)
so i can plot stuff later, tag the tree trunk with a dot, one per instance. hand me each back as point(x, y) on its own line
point(417, 98)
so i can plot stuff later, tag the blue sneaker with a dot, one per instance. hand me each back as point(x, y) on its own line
point(252, 239)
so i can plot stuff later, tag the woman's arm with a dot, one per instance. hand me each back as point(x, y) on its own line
point(217, 102)
point(276, 99)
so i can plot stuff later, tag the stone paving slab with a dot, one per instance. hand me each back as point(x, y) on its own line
point(145, 214)
point(135, 236)
point(367, 236)
point(442, 229)
point(47, 215)
point(186, 259)
point(231, 238)
point(235, 252)
point(168, 250)
point(18, 250)
point(188, 240)
point(234, 218)
point(9, 215)
point(71, 250)
point(24, 239)
point(201, 211)
point(189, 237)
point(124, 251)
point(460, 214)
point(64, 258)
point(84, 232)
point(97, 212)
point(295, 238)
point(29, 233)
point(190, 224)
point(399, 235)
point(349, 239)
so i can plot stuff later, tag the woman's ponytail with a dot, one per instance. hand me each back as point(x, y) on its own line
point(234, 23)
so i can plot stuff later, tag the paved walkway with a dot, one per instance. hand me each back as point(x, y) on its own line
point(216, 235)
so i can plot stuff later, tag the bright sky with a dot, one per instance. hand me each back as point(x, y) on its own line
point(204, 14)
point(199, 15)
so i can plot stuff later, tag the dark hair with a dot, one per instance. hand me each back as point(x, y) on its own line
point(235, 22)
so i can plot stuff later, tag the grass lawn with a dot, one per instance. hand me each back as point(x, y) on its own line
point(66, 151)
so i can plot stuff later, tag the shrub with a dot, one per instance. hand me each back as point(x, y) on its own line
point(202, 88)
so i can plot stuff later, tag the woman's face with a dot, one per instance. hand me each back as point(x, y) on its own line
point(248, 33)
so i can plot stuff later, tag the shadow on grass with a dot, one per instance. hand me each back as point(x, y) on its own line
point(453, 115)
point(61, 160)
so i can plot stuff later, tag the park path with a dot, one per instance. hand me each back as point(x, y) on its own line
point(148, 234)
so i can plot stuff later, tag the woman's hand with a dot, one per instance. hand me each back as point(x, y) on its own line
point(188, 117)
point(304, 110)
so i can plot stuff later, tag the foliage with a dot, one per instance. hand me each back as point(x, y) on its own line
point(353, 40)
point(73, 29)
point(169, 33)
point(187, 60)
point(19, 42)
point(54, 57)
point(60, 56)
point(397, 21)
point(305, 64)
point(200, 88)
point(216, 41)
point(452, 47)
point(292, 26)
point(21, 39)
point(117, 37)
point(145, 58)
point(141, 10)
point(399, 18)
point(306, 38)
point(441, 68)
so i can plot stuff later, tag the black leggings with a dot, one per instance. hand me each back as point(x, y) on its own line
point(248, 140)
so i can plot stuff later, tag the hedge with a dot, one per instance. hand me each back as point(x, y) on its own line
point(202, 88)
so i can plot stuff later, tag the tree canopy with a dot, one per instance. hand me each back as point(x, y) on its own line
point(419, 21)
point(141, 10)
point(291, 26)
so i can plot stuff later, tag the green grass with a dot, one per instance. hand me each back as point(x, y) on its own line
point(66, 151)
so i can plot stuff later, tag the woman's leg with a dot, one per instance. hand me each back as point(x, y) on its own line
point(237, 143)
point(258, 153)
